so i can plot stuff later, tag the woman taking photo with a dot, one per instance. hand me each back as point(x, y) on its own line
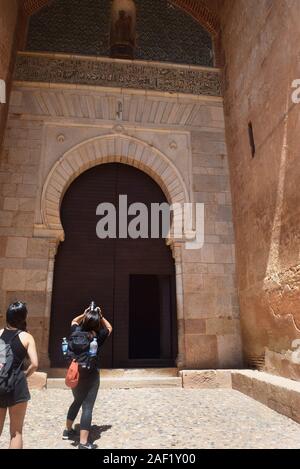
point(22, 345)
point(85, 393)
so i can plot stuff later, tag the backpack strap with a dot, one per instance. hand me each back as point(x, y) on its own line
point(10, 342)
point(13, 337)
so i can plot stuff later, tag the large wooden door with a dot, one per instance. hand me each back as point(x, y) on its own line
point(133, 280)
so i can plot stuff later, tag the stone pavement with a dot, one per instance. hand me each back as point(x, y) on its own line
point(161, 418)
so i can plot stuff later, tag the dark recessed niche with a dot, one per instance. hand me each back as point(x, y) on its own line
point(163, 32)
point(251, 139)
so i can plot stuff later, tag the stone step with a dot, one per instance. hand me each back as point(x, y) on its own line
point(122, 373)
point(140, 372)
point(125, 382)
point(277, 393)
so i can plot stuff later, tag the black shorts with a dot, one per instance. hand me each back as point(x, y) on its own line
point(18, 395)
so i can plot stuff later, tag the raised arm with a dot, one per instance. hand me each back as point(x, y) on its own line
point(32, 353)
point(78, 320)
point(105, 323)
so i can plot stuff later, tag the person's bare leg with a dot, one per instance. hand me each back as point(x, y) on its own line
point(17, 415)
point(2, 419)
point(84, 436)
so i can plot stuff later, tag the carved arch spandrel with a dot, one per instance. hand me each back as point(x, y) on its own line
point(107, 149)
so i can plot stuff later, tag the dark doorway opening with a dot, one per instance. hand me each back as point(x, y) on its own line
point(144, 317)
point(150, 317)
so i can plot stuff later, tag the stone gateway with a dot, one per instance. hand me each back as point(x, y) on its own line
point(179, 104)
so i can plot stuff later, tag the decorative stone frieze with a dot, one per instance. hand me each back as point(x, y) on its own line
point(94, 71)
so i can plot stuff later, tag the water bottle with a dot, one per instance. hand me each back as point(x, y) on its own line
point(93, 348)
point(64, 346)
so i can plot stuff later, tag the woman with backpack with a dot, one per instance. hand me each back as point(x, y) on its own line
point(98, 329)
point(16, 345)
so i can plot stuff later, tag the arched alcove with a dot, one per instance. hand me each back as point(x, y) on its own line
point(166, 31)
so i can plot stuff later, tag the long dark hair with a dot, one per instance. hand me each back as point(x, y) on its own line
point(16, 315)
point(91, 320)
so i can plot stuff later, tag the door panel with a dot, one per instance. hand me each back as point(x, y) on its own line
point(87, 268)
point(137, 257)
point(84, 266)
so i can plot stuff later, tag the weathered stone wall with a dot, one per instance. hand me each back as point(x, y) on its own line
point(44, 123)
point(261, 44)
point(8, 21)
point(210, 299)
point(24, 260)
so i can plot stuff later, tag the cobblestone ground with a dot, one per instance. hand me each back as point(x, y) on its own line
point(161, 418)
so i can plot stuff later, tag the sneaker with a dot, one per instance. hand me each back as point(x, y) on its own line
point(69, 434)
point(87, 446)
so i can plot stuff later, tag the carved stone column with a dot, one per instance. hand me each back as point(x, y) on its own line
point(44, 354)
point(176, 247)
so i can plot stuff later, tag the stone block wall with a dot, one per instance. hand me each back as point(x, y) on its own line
point(212, 325)
point(24, 259)
point(189, 131)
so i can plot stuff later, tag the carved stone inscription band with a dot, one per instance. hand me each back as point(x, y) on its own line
point(135, 75)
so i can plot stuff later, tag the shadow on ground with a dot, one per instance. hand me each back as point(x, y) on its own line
point(95, 433)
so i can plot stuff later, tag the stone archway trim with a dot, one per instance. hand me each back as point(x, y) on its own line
point(108, 149)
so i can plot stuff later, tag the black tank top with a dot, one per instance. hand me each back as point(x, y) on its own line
point(18, 348)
